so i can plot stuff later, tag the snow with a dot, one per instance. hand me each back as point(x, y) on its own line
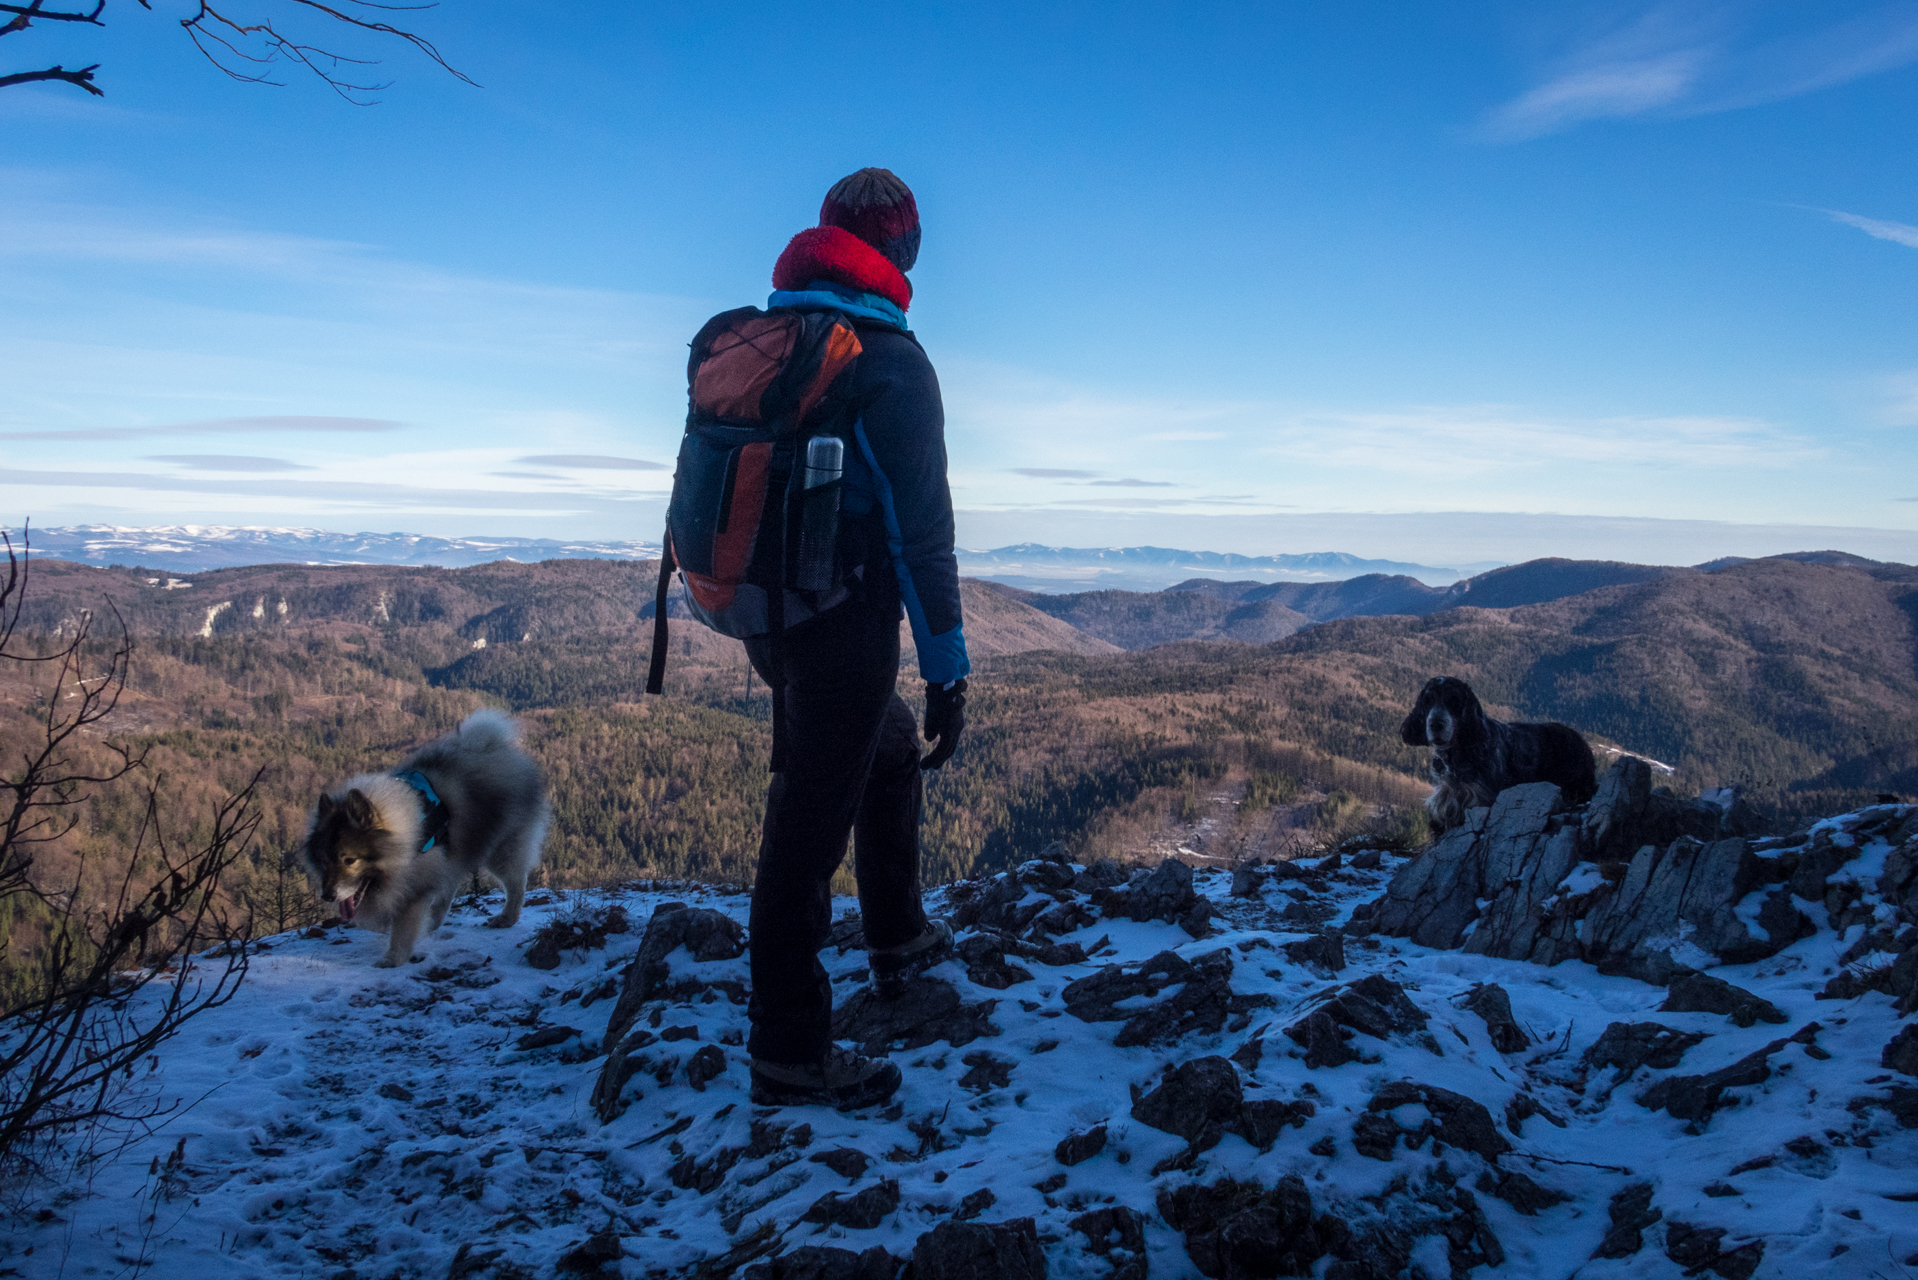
point(340, 1118)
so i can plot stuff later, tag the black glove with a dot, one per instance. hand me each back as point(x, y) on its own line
point(945, 720)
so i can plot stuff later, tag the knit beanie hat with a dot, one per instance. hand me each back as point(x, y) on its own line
point(878, 208)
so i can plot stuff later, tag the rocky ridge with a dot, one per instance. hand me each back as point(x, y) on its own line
point(1124, 1073)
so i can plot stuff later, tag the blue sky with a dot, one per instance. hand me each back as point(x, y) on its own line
point(1428, 281)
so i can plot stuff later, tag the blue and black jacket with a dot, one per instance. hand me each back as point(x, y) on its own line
point(896, 466)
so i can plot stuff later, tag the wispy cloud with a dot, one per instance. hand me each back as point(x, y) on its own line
point(1684, 59)
point(1481, 441)
point(1129, 483)
point(216, 427)
point(590, 462)
point(1877, 228)
point(1051, 473)
point(226, 462)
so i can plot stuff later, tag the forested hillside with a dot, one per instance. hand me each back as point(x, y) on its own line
point(1796, 680)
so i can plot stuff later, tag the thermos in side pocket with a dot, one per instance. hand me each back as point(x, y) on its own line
point(819, 517)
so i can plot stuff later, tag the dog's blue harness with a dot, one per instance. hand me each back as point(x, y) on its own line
point(435, 817)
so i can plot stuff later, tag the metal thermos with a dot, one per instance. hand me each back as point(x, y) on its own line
point(819, 517)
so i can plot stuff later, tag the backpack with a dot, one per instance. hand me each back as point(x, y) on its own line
point(759, 386)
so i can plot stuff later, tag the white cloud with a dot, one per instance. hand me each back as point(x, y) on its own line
point(1472, 441)
point(1686, 59)
point(1877, 228)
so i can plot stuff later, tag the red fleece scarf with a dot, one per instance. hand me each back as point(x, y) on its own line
point(829, 253)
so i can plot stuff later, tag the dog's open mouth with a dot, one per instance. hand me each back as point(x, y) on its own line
point(350, 905)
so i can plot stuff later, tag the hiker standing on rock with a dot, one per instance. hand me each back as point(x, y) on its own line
point(827, 396)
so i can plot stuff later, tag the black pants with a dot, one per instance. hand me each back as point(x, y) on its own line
point(849, 763)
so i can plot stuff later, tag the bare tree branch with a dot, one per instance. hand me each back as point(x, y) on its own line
point(69, 1042)
point(216, 36)
point(243, 49)
point(83, 77)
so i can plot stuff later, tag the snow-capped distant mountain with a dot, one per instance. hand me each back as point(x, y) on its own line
point(194, 548)
point(1040, 568)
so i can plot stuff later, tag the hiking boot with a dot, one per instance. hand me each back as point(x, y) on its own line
point(892, 966)
point(843, 1080)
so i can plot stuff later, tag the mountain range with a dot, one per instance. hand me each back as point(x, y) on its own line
point(197, 548)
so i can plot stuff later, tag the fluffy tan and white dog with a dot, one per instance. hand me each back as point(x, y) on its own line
point(392, 850)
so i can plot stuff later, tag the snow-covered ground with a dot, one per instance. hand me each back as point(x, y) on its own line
point(350, 1122)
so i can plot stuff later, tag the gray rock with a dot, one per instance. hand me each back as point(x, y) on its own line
point(980, 1251)
point(1117, 1234)
point(1202, 1003)
point(986, 963)
point(1434, 897)
point(1196, 1100)
point(1455, 1120)
point(1323, 1040)
point(1078, 1148)
point(1696, 1097)
point(1164, 893)
point(823, 1262)
point(1519, 1191)
point(928, 1010)
point(974, 1204)
point(1490, 1002)
point(1374, 1005)
point(1674, 876)
point(1702, 993)
point(844, 1161)
point(1239, 1230)
point(1323, 951)
point(1261, 1120)
point(706, 1066)
point(707, 934)
point(1631, 1045)
point(861, 1211)
point(1631, 1212)
point(1901, 1054)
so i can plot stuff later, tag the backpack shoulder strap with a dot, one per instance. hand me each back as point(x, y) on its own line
point(656, 671)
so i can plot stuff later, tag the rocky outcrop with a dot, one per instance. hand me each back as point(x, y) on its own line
point(1198, 997)
point(1637, 882)
point(706, 935)
point(972, 1250)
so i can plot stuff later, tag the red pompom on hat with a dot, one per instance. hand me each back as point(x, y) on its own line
point(877, 207)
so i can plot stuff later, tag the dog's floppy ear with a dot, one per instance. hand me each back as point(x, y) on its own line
point(359, 810)
point(1412, 732)
point(1469, 712)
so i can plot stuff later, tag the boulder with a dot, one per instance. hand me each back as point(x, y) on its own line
point(1374, 1005)
point(1201, 1004)
point(1490, 1002)
point(706, 934)
point(823, 1262)
point(1452, 1118)
point(1696, 1097)
point(1631, 1212)
point(1630, 1045)
point(1901, 1054)
point(1196, 1100)
point(1078, 1148)
point(1323, 951)
point(861, 1211)
point(1702, 993)
point(1519, 1191)
point(1163, 893)
point(928, 1010)
point(1240, 1230)
point(1639, 883)
point(980, 1251)
point(1117, 1234)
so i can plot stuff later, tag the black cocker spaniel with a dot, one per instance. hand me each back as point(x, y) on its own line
point(1474, 757)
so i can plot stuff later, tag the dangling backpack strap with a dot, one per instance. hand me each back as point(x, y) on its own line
point(656, 674)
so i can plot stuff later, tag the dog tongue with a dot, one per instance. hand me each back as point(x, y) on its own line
point(346, 908)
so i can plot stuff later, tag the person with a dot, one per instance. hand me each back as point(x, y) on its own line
point(846, 755)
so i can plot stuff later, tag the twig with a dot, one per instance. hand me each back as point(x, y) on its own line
point(1609, 1168)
